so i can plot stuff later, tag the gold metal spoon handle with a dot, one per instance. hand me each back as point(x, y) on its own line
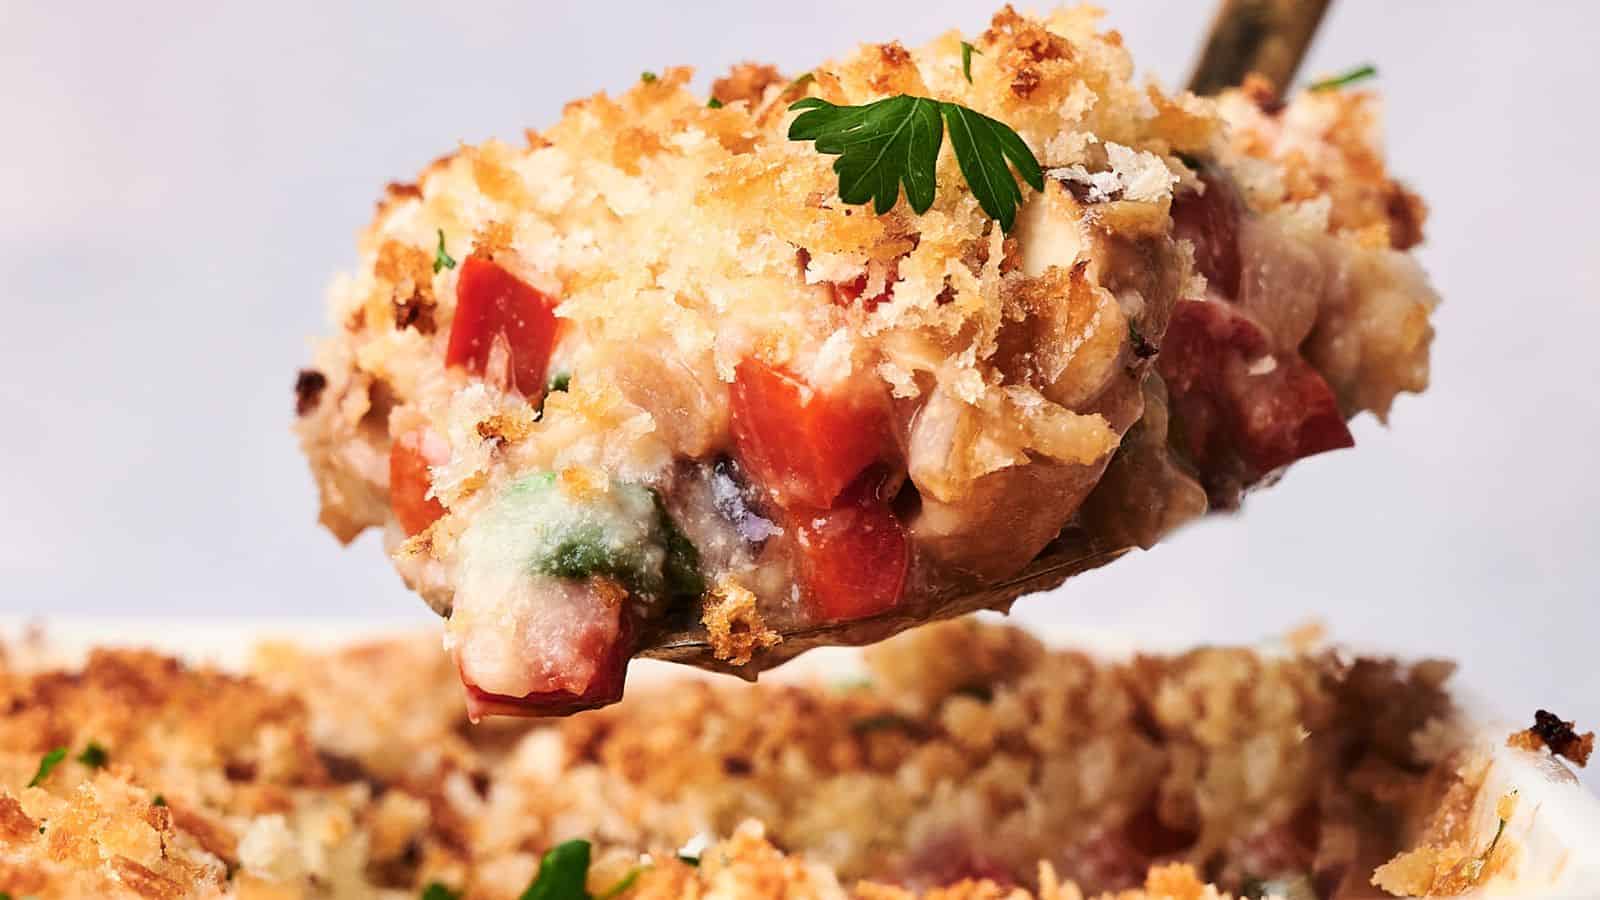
point(1269, 37)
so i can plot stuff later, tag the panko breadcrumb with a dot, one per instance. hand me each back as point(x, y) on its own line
point(1003, 769)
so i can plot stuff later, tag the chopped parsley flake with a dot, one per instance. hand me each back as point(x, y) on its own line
point(160, 800)
point(562, 873)
point(855, 683)
point(1359, 73)
point(1142, 348)
point(437, 891)
point(966, 59)
point(441, 259)
point(94, 756)
point(647, 77)
point(47, 764)
point(713, 103)
point(896, 141)
point(1477, 864)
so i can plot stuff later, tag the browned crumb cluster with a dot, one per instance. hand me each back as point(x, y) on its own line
point(971, 762)
point(1561, 738)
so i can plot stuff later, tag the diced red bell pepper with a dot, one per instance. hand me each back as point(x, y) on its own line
point(1211, 222)
point(801, 445)
point(491, 302)
point(1237, 400)
point(409, 482)
point(853, 558)
point(611, 650)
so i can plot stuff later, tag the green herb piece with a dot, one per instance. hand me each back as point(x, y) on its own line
point(94, 756)
point(896, 141)
point(1142, 348)
point(1476, 865)
point(966, 59)
point(558, 382)
point(160, 800)
point(855, 683)
point(4, 896)
point(562, 873)
point(622, 533)
point(623, 885)
point(441, 259)
point(713, 103)
point(47, 764)
point(983, 145)
point(437, 891)
point(692, 862)
point(682, 565)
point(647, 77)
point(1359, 73)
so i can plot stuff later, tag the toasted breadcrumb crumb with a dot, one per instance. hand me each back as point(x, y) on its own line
point(734, 623)
point(1561, 738)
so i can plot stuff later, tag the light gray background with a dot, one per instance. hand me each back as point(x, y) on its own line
point(179, 180)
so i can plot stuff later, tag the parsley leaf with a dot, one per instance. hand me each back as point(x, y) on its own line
point(982, 147)
point(94, 756)
point(47, 764)
point(562, 872)
point(966, 59)
point(1359, 73)
point(713, 103)
point(879, 145)
point(160, 800)
point(437, 891)
point(896, 141)
point(647, 77)
point(441, 259)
